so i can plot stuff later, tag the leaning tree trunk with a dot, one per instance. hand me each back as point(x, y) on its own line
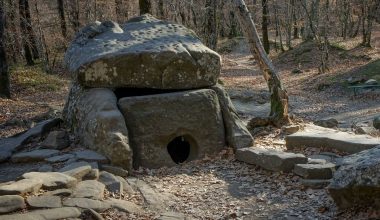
point(145, 6)
point(264, 26)
point(279, 96)
point(4, 76)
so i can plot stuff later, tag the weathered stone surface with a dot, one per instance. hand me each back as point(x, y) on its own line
point(56, 140)
point(315, 171)
point(102, 127)
point(46, 214)
point(366, 130)
point(112, 183)
point(59, 158)
point(52, 180)
point(33, 156)
point(118, 171)
point(12, 144)
point(11, 203)
point(86, 204)
point(315, 183)
point(156, 120)
point(291, 129)
point(126, 187)
point(92, 214)
point(77, 170)
point(90, 156)
point(327, 123)
point(270, 159)
point(315, 136)
point(90, 189)
point(44, 201)
point(237, 135)
point(21, 187)
point(171, 216)
point(357, 181)
point(92, 175)
point(376, 122)
point(45, 168)
point(143, 53)
point(124, 206)
point(59, 192)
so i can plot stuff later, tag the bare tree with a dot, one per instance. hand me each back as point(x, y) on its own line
point(28, 38)
point(264, 25)
point(4, 75)
point(279, 95)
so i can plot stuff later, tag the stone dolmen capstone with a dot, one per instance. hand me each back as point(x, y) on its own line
point(145, 94)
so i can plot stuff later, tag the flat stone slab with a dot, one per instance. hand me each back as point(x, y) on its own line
point(59, 158)
point(124, 206)
point(270, 159)
point(112, 183)
point(315, 183)
point(52, 180)
point(318, 137)
point(118, 171)
point(46, 214)
point(90, 189)
point(143, 53)
point(77, 169)
point(86, 204)
point(12, 144)
point(33, 156)
point(44, 201)
point(59, 192)
point(56, 140)
point(21, 187)
point(11, 203)
point(90, 156)
point(315, 171)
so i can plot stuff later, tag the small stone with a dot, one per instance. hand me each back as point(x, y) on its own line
point(316, 161)
point(77, 169)
point(90, 189)
point(87, 204)
point(291, 129)
point(44, 201)
point(366, 130)
point(315, 184)
point(172, 216)
point(91, 156)
point(126, 187)
point(46, 214)
point(59, 192)
point(124, 206)
point(297, 71)
point(21, 187)
point(118, 171)
point(327, 123)
point(371, 82)
point(270, 159)
point(315, 171)
point(52, 180)
point(11, 203)
point(33, 156)
point(322, 157)
point(376, 122)
point(112, 183)
point(59, 158)
point(56, 140)
point(45, 168)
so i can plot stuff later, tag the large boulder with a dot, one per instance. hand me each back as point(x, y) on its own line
point(96, 120)
point(143, 53)
point(357, 181)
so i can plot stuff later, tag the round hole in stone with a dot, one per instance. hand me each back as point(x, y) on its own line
point(179, 149)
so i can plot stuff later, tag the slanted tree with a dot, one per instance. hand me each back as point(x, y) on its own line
point(28, 37)
point(279, 96)
point(4, 75)
point(145, 7)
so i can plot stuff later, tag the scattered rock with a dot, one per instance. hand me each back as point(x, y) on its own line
point(11, 203)
point(126, 187)
point(77, 170)
point(59, 192)
point(124, 206)
point(52, 180)
point(46, 214)
point(315, 184)
point(44, 201)
point(366, 130)
point(59, 158)
point(357, 181)
point(315, 171)
point(376, 122)
point(118, 171)
point(297, 71)
point(327, 123)
point(45, 168)
point(316, 161)
point(33, 156)
point(291, 129)
point(90, 189)
point(21, 187)
point(314, 136)
point(84, 203)
point(371, 82)
point(270, 159)
point(56, 140)
point(90, 156)
point(112, 183)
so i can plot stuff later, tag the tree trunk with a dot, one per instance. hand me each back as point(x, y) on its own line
point(74, 14)
point(264, 26)
point(145, 7)
point(44, 49)
point(161, 13)
point(61, 12)
point(27, 31)
point(4, 75)
point(279, 96)
point(210, 28)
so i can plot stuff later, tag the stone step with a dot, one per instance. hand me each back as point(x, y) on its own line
point(315, 184)
point(46, 214)
point(318, 137)
point(315, 171)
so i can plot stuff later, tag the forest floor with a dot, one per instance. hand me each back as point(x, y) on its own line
point(221, 187)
